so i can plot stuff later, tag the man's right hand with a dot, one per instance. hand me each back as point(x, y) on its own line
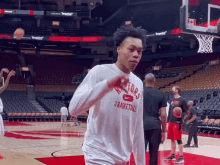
point(119, 81)
point(5, 70)
point(12, 73)
point(163, 136)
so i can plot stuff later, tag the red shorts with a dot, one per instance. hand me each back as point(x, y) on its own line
point(173, 132)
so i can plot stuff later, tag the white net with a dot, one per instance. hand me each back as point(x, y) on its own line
point(205, 43)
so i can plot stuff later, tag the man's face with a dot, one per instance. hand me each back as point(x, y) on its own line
point(174, 90)
point(189, 104)
point(130, 52)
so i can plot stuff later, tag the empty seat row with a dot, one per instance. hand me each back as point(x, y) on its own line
point(33, 116)
point(209, 125)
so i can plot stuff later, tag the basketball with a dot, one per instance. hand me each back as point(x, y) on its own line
point(19, 33)
point(177, 112)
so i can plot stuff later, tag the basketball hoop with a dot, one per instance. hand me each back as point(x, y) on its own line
point(205, 43)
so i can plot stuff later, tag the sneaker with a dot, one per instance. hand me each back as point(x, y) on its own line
point(186, 146)
point(171, 157)
point(180, 160)
point(195, 146)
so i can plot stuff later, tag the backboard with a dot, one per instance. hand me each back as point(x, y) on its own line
point(200, 16)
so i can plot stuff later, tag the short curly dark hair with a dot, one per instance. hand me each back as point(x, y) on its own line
point(129, 31)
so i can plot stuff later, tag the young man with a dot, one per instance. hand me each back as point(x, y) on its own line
point(114, 97)
point(154, 114)
point(191, 120)
point(175, 124)
point(64, 114)
point(2, 88)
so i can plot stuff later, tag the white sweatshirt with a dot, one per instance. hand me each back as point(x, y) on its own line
point(1, 106)
point(64, 111)
point(2, 131)
point(115, 121)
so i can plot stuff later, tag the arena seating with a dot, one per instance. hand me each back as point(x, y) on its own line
point(168, 75)
point(139, 13)
point(206, 79)
point(52, 105)
point(142, 14)
point(186, 67)
point(55, 88)
point(67, 31)
point(133, 1)
point(142, 66)
point(197, 59)
point(209, 125)
point(42, 88)
point(183, 72)
point(31, 5)
point(16, 105)
point(63, 67)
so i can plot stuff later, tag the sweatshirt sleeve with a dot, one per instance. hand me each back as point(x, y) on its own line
point(138, 144)
point(67, 112)
point(1, 106)
point(89, 92)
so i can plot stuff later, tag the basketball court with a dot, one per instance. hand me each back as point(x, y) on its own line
point(39, 143)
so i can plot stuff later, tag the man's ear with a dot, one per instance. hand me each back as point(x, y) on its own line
point(118, 50)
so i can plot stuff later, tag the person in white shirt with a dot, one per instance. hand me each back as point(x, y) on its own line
point(114, 97)
point(64, 114)
point(2, 89)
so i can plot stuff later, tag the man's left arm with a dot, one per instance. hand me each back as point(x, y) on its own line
point(138, 143)
point(184, 108)
point(193, 117)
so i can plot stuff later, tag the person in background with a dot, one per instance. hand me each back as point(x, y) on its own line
point(64, 115)
point(2, 89)
point(191, 120)
point(154, 115)
point(174, 132)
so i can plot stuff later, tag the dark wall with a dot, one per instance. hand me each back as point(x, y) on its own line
point(108, 8)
